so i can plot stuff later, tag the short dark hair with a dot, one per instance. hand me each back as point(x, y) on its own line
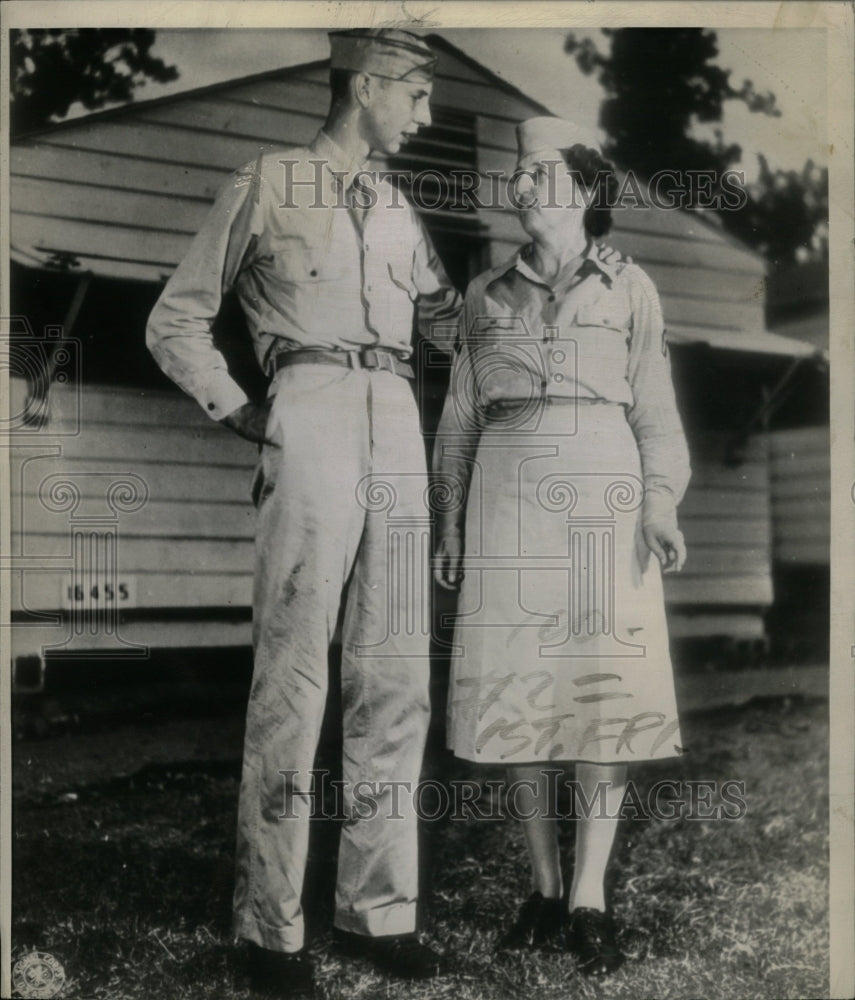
point(340, 84)
point(597, 175)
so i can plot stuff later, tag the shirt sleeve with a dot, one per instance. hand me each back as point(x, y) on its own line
point(459, 431)
point(653, 417)
point(179, 333)
point(439, 303)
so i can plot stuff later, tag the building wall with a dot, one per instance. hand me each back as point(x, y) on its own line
point(122, 195)
point(726, 584)
point(138, 492)
point(801, 496)
point(188, 548)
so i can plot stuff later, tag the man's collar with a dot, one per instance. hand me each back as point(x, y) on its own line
point(336, 160)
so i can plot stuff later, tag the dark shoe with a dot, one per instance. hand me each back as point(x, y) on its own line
point(401, 955)
point(280, 973)
point(592, 939)
point(539, 924)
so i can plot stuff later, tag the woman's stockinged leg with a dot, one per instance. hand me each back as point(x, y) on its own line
point(541, 918)
point(532, 801)
point(595, 832)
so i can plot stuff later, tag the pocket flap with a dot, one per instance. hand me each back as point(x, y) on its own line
point(605, 314)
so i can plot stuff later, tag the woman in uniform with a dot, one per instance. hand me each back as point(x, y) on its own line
point(564, 460)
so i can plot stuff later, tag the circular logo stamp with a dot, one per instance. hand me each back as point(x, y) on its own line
point(38, 975)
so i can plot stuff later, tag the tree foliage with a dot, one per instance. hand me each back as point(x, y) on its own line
point(659, 83)
point(53, 68)
point(786, 215)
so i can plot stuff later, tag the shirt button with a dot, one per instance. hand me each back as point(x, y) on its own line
point(558, 377)
point(551, 297)
point(210, 406)
point(558, 357)
point(313, 273)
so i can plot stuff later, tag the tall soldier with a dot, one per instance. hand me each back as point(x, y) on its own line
point(328, 269)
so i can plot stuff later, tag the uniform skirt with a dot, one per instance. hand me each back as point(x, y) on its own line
point(560, 644)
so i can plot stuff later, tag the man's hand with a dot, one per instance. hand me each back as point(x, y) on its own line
point(667, 544)
point(447, 562)
point(250, 421)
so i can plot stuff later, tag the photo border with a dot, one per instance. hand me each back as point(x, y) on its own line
point(837, 19)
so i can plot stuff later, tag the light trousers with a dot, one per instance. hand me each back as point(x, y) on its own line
point(342, 516)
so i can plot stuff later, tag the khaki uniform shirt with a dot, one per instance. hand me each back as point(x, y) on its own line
point(595, 333)
point(309, 269)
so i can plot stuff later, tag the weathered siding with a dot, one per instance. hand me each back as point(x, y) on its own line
point(188, 546)
point(801, 496)
point(726, 520)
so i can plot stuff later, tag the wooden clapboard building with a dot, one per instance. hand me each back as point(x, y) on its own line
point(131, 519)
point(800, 470)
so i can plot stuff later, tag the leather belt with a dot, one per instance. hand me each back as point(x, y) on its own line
point(369, 358)
point(499, 407)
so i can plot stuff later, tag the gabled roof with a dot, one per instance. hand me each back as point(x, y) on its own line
point(437, 42)
point(122, 110)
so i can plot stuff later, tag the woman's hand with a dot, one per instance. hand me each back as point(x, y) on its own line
point(666, 542)
point(448, 560)
point(608, 255)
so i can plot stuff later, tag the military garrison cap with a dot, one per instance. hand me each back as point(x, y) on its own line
point(545, 133)
point(387, 52)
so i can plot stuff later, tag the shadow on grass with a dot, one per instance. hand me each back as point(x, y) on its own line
point(128, 881)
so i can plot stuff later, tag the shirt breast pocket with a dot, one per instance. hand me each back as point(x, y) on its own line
point(500, 330)
point(603, 314)
point(303, 261)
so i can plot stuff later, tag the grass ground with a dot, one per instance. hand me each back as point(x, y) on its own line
point(123, 872)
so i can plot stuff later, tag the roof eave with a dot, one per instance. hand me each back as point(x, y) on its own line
point(132, 106)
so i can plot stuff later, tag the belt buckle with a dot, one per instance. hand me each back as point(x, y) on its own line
point(355, 359)
point(375, 359)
